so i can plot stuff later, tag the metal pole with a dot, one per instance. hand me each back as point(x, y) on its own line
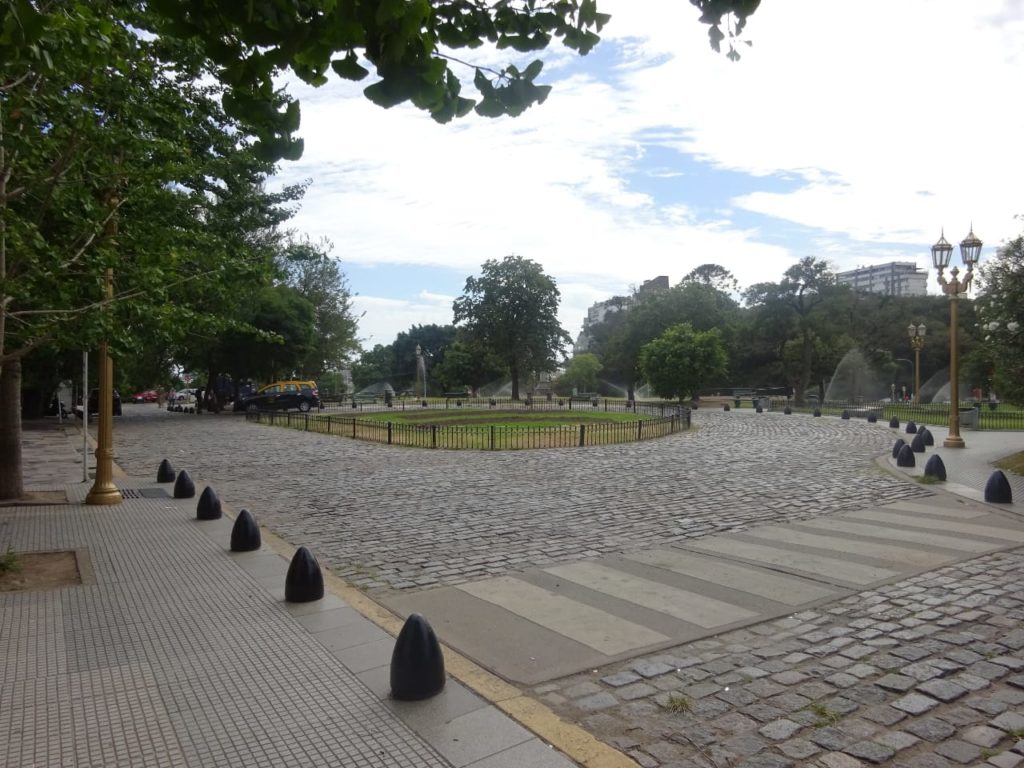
point(103, 490)
point(85, 416)
point(917, 374)
point(954, 440)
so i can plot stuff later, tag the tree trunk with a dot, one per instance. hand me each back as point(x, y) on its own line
point(11, 486)
point(806, 358)
point(515, 380)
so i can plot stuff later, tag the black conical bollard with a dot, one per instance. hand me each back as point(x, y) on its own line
point(726, 407)
point(817, 411)
point(787, 410)
point(935, 468)
point(417, 664)
point(894, 423)
point(905, 458)
point(997, 489)
point(917, 444)
point(759, 409)
point(911, 428)
point(926, 435)
point(208, 507)
point(245, 534)
point(184, 488)
point(872, 418)
point(900, 442)
point(304, 582)
point(845, 416)
point(165, 473)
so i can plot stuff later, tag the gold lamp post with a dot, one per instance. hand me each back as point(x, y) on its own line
point(103, 490)
point(970, 252)
point(916, 333)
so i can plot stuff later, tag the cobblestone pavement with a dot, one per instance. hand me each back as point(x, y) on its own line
point(924, 673)
point(385, 517)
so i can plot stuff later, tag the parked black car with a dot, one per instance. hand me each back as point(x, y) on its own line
point(94, 404)
point(282, 396)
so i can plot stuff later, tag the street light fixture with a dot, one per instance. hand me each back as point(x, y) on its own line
point(970, 252)
point(916, 334)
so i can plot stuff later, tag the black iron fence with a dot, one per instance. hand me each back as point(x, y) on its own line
point(493, 437)
point(973, 415)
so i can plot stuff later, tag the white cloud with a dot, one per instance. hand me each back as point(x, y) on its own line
point(891, 120)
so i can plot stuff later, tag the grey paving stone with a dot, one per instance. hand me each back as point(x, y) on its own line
point(960, 715)
point(581, 689)
point(870, 751)
point(987, 670)
point(894, 682)
point(779, 730)
point(1006, 760)
point(884, 715)
point(594, 702)
point(789, 702)
point(619, 679)
point(766, 760)
point(763, 713)
point(983, 735)
point(652, 668)
point(839, 760)
point(829, 738)
point(1008, 721)
point(927, 760)
point(636, 691)
point(943, 690)
point(745, 744)
point(986, 705)
point(734, 723)
point(958, 751)
point(798, 749)
point(897, 740)
point(915, 704)
point(930, 729)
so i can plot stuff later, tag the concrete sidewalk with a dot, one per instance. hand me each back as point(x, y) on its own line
point(175, 651)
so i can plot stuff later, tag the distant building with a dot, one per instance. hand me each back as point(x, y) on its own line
point(601, 309)
point(897, 278)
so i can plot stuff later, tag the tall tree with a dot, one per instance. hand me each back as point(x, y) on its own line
point(681, 360)
point(113, 152)
point(797, 303)
point(512, 310)
point(1002, 318)
point(318, 278)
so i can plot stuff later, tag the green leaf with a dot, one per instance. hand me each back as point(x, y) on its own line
point(349, 68)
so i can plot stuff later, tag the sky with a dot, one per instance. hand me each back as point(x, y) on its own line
point(850, 131)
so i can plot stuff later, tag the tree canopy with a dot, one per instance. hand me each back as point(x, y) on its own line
point(511, 310)
point(1001, 314)
point(682, 360)
point(412, 47)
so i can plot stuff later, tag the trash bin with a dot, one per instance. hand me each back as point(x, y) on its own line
point(969, 417)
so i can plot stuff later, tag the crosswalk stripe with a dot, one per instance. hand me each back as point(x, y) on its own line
point(888, 552)
point(971, 529)
point(895, 534)
point(689, 606)
point(853, 573)
point(597, 629)
point(789, 590)
point(924, 508)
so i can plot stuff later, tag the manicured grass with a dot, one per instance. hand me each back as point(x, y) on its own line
point(1013, 463)
point(453, 417)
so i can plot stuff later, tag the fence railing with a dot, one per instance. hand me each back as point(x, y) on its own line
point(491, 437)
point(575, 403)
point(972, 414)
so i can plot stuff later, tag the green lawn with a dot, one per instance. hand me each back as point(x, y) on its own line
point(475, 417)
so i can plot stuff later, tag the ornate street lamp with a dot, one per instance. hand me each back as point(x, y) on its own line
point(916, 333)
point(970, 252)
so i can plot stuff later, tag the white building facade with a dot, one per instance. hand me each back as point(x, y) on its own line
point(897, 278)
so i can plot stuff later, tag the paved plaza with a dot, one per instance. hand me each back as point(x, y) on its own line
point(763, 591)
